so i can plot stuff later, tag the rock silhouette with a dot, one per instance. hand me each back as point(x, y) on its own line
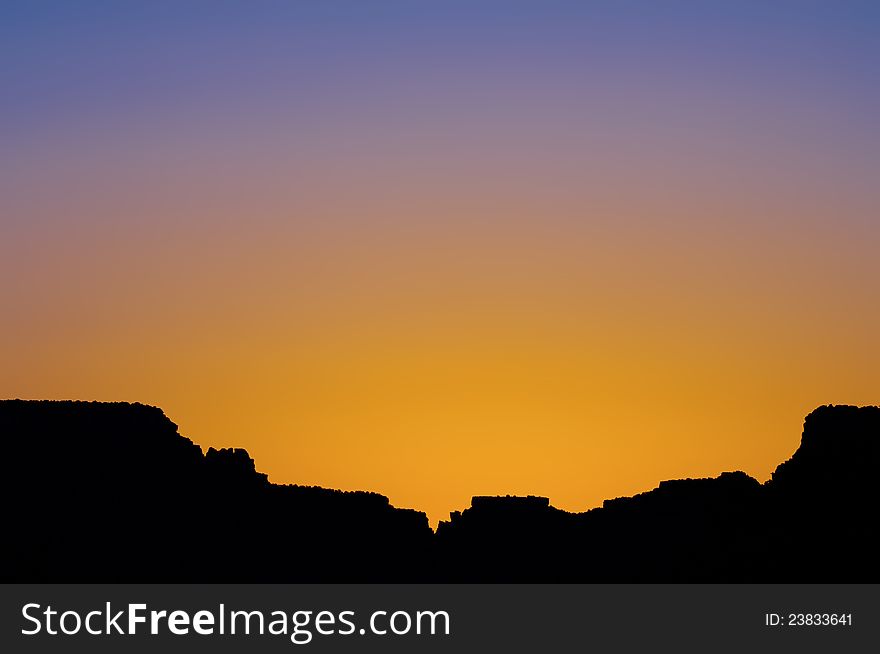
point(111, 492)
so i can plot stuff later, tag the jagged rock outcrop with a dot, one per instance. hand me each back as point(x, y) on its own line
point(838, 454)
point(814, 520)
point(684, 530)
point(112, 492)
point(822, 505)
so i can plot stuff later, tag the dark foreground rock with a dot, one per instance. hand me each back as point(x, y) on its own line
point(100, 492)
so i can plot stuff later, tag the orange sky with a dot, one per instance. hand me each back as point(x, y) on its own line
point(570, 272)
point(518, 354)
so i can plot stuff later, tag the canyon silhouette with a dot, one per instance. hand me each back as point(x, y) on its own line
point(111, 492)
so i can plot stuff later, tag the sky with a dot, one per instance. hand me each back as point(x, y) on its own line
point(444, 249)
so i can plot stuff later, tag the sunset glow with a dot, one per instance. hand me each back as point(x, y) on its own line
point(438, 250)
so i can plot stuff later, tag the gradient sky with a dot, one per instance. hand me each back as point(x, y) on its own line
point(438, 249)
